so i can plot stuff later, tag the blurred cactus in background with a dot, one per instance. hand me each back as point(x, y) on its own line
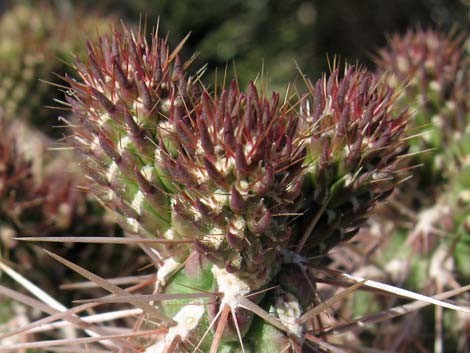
point(38, 198)
point(32, 199)
point(36, 45)
point(433, 70)
point(422, 235)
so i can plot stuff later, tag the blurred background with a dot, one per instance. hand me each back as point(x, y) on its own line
point(275, 33)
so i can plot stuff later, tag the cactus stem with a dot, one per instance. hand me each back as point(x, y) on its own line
point(170, 265)
point(310, 227)
point(289, 311)
point(231, 285)
point(187, 319)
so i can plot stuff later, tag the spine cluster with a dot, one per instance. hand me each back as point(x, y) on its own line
point(240, 187)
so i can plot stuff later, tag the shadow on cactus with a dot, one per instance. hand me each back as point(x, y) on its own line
point(236, 197)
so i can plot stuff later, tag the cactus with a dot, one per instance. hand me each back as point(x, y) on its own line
point(18, 186)
point(422, 235)
point(434, 72)
point(240, 191)
point(36, 43)
point(39, 198)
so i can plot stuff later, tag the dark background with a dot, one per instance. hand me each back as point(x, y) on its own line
point(275, 34)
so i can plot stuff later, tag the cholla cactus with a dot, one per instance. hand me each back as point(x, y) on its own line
point(434, 71)
point(421, 237)
point(35, 44)
point(237, 189)
point(18, 186)
point(38, 198)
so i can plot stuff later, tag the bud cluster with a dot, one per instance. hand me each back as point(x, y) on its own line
point(237, 172)
point(354, 140)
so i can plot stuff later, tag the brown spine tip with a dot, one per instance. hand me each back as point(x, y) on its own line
point(237, 203)
point(240, 160)
point(213, 173)
point(235, 241)
point(264, 223)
